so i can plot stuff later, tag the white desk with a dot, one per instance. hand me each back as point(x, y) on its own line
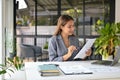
point(99, 72)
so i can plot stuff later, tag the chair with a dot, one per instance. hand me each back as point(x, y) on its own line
point(28, 51)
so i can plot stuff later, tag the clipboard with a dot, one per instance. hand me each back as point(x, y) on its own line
point(75, 70)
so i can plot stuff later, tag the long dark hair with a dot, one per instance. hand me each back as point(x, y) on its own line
point(62, 21)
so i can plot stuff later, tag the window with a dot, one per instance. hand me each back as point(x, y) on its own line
point(38, 20)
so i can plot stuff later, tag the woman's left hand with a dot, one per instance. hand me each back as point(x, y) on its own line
point(88, 53)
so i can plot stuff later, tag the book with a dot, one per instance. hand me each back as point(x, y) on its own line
point(49, 73)
point(82, 53)
point(48, 70)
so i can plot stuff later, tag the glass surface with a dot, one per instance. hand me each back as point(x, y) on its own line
point(25, 19)
point(47, 15)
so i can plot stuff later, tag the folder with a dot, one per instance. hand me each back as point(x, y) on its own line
point(74, 69)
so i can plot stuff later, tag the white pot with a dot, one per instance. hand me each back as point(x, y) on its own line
point(110, 58)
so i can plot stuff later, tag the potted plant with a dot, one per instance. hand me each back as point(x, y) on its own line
point(15, 63)
point(106, 43)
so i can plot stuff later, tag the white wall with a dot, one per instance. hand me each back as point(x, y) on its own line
point(1, 35)
point(0, 31)
point(6, 21)
point(9, 26)
point(117, 11)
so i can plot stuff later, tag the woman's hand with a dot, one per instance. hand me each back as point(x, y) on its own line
point(71, 49)
point(88, 53)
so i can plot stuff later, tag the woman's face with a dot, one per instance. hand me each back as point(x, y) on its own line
point(68, 29)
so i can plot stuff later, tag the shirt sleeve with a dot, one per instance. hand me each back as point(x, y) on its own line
point(52, 49)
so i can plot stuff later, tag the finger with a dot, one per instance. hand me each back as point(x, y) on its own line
point(88, 53)
point(75, 48)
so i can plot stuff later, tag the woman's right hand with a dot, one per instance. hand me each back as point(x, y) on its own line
point(70, 51)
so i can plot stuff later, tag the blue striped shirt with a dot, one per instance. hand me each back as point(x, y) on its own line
point(57, 48)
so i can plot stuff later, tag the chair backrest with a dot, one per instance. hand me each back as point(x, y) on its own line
point(26, 51)
point(37, 49)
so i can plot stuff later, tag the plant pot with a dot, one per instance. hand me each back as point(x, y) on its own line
point(110, 58)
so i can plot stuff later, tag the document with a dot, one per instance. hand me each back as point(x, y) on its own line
point(82, 53)
point(74, 69)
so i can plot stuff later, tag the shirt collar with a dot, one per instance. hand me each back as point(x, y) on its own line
point(59, 36)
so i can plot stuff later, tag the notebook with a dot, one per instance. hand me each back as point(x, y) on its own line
point(74, 69)
point(48, 70)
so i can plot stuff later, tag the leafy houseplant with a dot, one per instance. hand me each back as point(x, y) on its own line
point(107, 41)
point(15, 63)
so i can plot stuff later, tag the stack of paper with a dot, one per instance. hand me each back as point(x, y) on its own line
point(49, 70)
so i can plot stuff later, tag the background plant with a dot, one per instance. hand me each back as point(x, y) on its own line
point(46, 45)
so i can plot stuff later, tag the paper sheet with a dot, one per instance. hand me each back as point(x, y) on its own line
point(82, 53)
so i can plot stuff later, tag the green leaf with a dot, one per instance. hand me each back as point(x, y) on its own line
point(2, 72)
point(11, 60)
point(11, 70)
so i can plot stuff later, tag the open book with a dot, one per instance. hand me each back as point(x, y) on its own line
point(82, 53)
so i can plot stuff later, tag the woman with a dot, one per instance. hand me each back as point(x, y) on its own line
point(63, 46)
